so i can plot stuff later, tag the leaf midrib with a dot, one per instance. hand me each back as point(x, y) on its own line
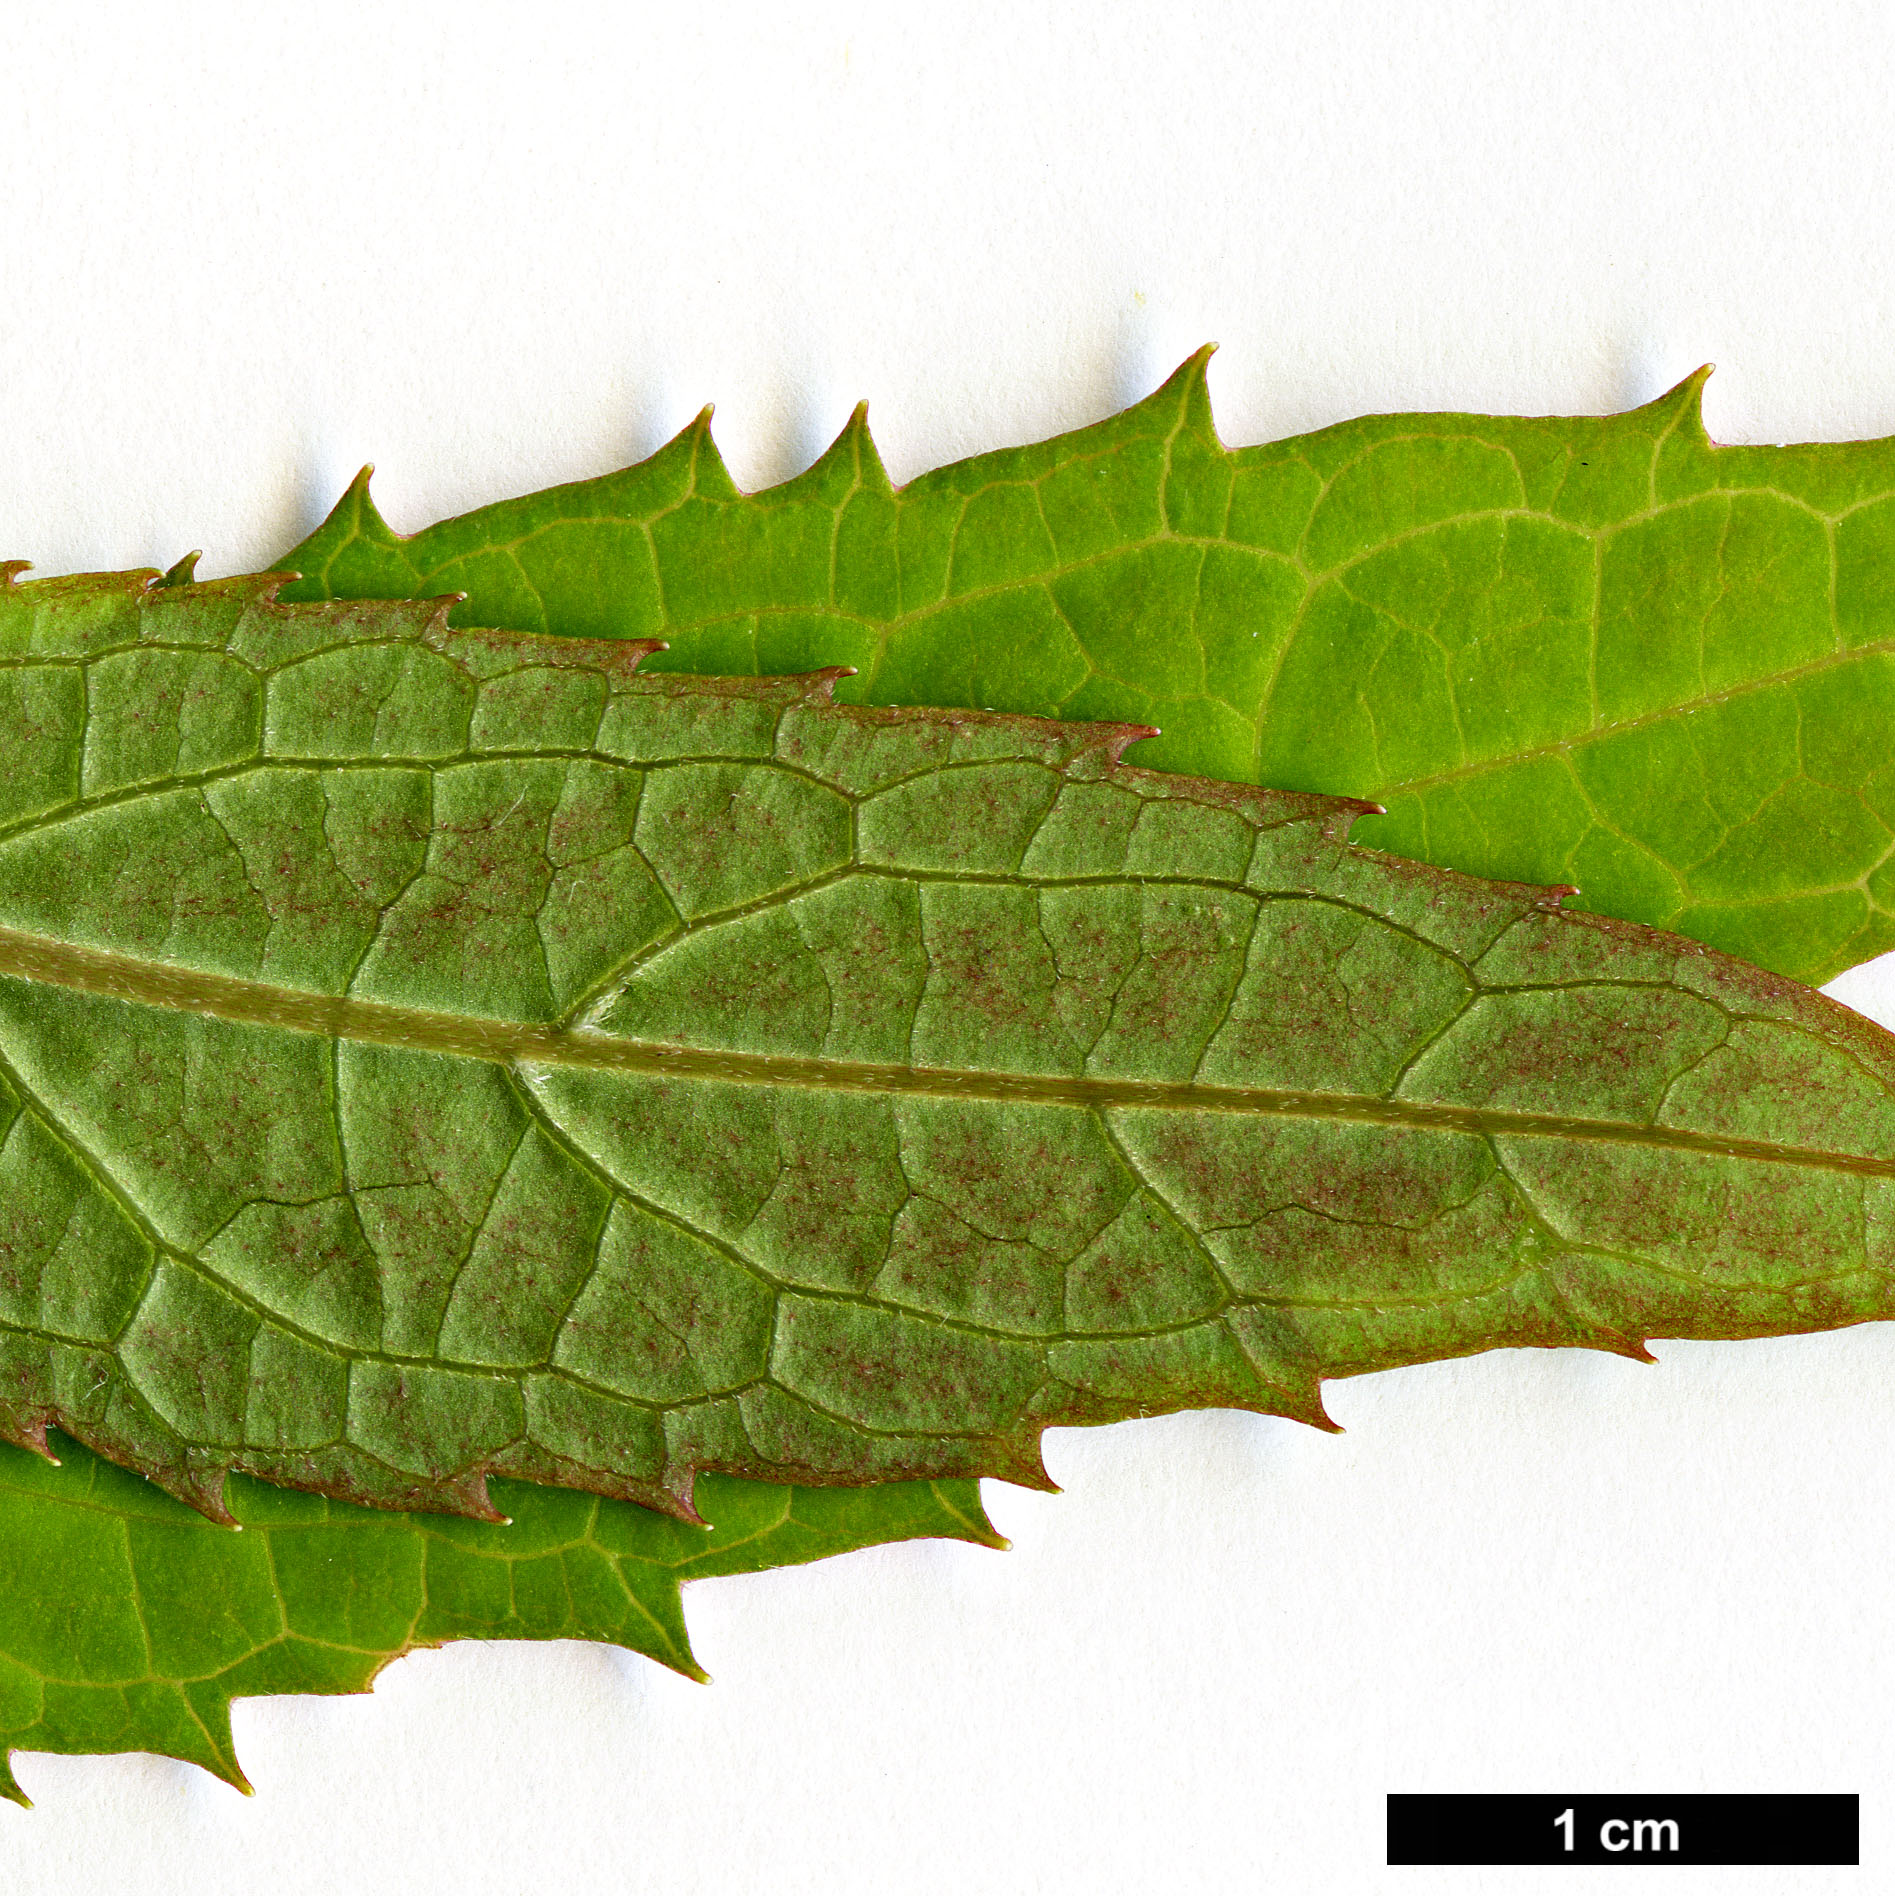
point(512, 1044)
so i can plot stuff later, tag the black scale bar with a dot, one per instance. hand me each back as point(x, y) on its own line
point(1641, 1830)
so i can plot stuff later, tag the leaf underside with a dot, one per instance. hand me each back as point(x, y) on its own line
point(1371, 610)
point(129, 1623)
point(431, 1055)
point(1602, 652)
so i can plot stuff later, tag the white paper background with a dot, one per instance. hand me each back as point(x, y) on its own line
point(492, 247)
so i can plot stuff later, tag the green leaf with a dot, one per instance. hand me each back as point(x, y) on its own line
point(129, 1623)
point(431, 1055)
point(1599, 652)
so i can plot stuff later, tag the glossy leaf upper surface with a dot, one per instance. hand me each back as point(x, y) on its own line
point(1599, 652)
point(128, 1623)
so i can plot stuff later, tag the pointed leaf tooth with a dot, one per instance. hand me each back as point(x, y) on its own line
point(356, 495)
point(202, 1489)
point(1194, 390)
point(710, 478)
point(28, 1431)
point(353, 553)
point(820, 686)
point(1182, 401)
point(1685, 400)
point(1173, 395)
point(675, 1494)
point(10, 571)
point(667, 1642)
point(981, 1532)
point(357, 509)
point(1303, 1405)
point(1019, 1459)
point(197, 1477)
point(1346, 813)
point(210, 1704)
point(1110, 742)
point(442, 610)
point(469, 1496)
point(664, 1635)
point(871, 471)
point(856, 444)
point(9, 1784)
point(184, 571)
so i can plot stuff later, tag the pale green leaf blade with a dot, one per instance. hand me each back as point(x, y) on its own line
point(129, 1623)
point(431, 1056)
point(1599, 652)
